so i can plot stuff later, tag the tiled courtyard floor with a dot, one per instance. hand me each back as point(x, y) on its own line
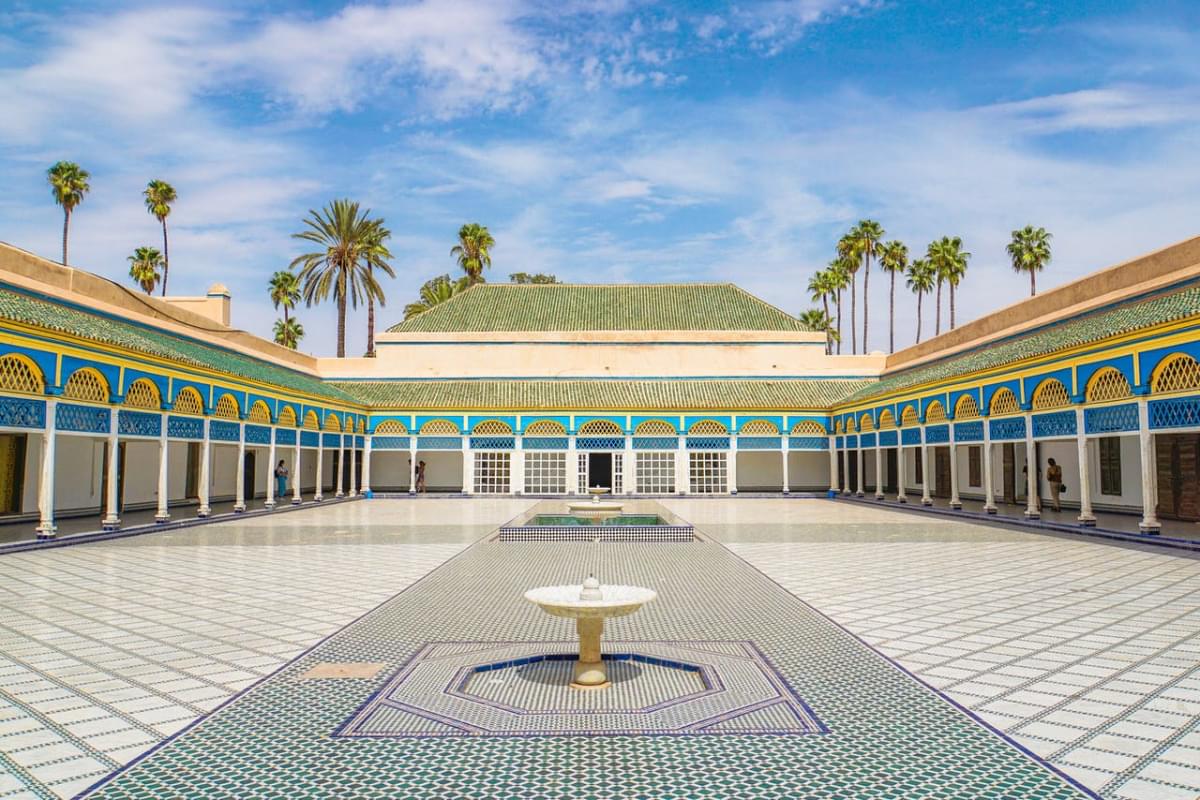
point(1085, 653)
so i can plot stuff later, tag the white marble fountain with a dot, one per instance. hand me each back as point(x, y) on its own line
point(588, 605)
point(596, 507)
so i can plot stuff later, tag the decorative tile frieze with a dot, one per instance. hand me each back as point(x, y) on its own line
point(191, 428)
point(22, 412)
point(1111, 419)
point(139, 423)
point(390, 442)
point(222, 431)
point(310, 439)
point(493, 443)
point(1055, 423)
point(759, 442)
point(887, 438)
point(81, 419)
point(937, 434)
point(968, 431)
point(656, 443)
point(910, 436)
point(1007, 428)
point(600, 443)
point(258, 434)
point(808, 442)
point(544, 443)
point(1175, 412)
point(439, 442)
point(708, 443)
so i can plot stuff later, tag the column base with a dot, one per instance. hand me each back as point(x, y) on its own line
point(162, 519)
point(269, 505)
point(110, 525)
point(240, 508)
point(296, 501)
point(1150, 528)
point(352, 494)
point(901, 499)
point(925, 501)
point(47, 531)
point(203, 511)
point(956, 505)
point(858, 494)
point(879, 495)
point(1086, 520)
point(1032, 514)
point(989, 509)
point(318, 498)
point(339, 494)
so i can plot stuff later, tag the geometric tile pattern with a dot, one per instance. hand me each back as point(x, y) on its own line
point(888, 735)
point(107, 649)
point(1088, 654)
point(521, 689)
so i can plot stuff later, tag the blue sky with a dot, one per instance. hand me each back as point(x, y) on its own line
point(606, 140)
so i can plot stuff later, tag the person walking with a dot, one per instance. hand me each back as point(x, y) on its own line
point(421, 476)
point(281, 478)
point(1054, 475)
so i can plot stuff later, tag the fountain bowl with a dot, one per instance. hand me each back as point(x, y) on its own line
point(563, 601)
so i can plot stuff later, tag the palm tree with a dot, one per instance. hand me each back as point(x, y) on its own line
point(143, 268)
point(819, 288)
point(69, 183)
point(839, 272)
point(288, 332)
point(893, 258)
point(847, 250)
point(339, 268)
point(159, 196)
point(868, 236)
point(284, 291)
point(434, 291)
point(819, 320)
point(950, 262)
point(920, 280)
point(473, 250)
point(1030, 252)
point(376, 255)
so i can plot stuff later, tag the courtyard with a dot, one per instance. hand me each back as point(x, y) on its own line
point(841, 650)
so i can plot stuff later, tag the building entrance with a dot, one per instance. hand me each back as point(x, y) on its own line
point(600, 470)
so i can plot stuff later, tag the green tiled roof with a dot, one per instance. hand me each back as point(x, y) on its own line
point(65, 319)
point(1059, 336)
point(532, 395)
point(621, 307)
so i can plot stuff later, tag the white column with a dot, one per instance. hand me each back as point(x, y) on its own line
point(630, 465)
point(319, 494)
point(270, 469)
point(901, 468)
point(682, 476)
point(848, 486)
point(353, 465)
point(366, 472)
point(412, 465)
point(295, 476)
point(1149, 523)
point(955, 501)
point(858, 455)
point(112, 515)
point(572, 465)
point(1086, 517)
point(989, 490)
point(164, 486)
point(340, 487)
point(926, 498)
point(731, 468)
point(785, 448)
point(468, 466)
point(239, 503)
point(1031, 468)
point(878, 469)
point(518, 466)
point(46, 528)
point(834, 484)
point(205, 471)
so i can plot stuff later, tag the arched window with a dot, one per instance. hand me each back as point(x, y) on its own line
point(600, 427)
point(545, 427)
point(439, 427)
point(332, 423)
point(260, 412)
point(391, 427)
point(909, 417)
point(1004, 402)
point(1107, 384)
point(655, 427)
point(1178, 372)
point(311, 421)
point(850, 426)
point(966, 408)
point(87, 385)
point(492, 427)
point(838, 427)
point(287, 416)
point(227, 408)
point(808, 427)
point(935, 412)
point(759, 427)
point(866, 423)
point(1050, 393)
point(142, 393)
point(362, 425)
point(886, 419)
point(188, 401)
point(19, 374)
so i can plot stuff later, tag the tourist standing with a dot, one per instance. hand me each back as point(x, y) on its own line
point(421, 476)
point(281, 478)
point(1054, 476)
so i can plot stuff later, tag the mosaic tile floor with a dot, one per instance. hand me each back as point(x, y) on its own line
point(106, 649)
point(1087, 654)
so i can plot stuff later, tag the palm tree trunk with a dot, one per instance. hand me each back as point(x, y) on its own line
point(341, 330)
point(66, 229)
point(952, 306)
point(839, 321)
point(166, 258)
point(892, 315)
point(285, 314)
point(828, 322)
point(937, 329)
point(370, 327)
point(1032, 274)
point(853, 314)
point(866, 283)
point(919, 316)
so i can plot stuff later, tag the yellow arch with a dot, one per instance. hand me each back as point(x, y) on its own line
point(1177, 372)
point(909, 416)
point(759, 427)
point(886, 419)
point(837, 427)
point(545, 427)
point(935, 412)
point(260, 412)
point(492, 427)
point(808, 427)
point(332, 423)
point(227, 408)
point(362, 425)
point(1050, 393)
point(866, 422)
point(189, 401)
point(707, 427)
point(600, 427)
point(966, 408)
point(1003, 403)
point(88, 385)
point(391, 427)
point(142, 393)
point(439, 427)
point(851, 425)
point(1107, 384)
point(287, 416)
point(21, 375)
point(655, 427)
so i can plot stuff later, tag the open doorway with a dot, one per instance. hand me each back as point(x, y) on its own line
point(248, 476)
point(600, 470)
